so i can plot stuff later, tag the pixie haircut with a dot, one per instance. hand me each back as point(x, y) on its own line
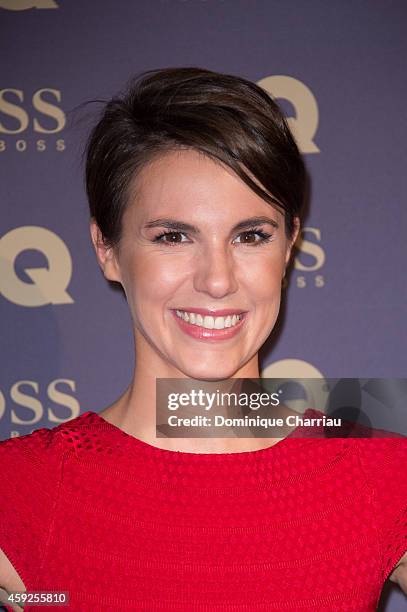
point(228, 118)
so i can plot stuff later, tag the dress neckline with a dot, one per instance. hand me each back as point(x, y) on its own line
point(142, 445)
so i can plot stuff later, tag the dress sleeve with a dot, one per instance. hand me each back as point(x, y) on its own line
point(30, 468)
point(385, 463)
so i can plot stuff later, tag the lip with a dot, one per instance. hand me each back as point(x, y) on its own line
point(211, 335)
point(212, 313)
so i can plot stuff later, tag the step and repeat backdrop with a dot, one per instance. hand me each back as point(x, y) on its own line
point(336, 68)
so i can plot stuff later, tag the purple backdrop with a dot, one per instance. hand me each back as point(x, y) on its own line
point(338, 70)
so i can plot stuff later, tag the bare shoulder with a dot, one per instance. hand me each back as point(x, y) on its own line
point(399, 574)
point(9, 579)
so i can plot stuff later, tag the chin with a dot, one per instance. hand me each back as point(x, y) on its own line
point(212, 378)
point(209, 373)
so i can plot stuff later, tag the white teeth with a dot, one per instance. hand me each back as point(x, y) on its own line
point(209, 322)
point(219, 323)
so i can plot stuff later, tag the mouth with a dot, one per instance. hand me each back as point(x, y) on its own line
point(198, 324)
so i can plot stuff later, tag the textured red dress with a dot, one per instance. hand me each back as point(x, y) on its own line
point(306, 524)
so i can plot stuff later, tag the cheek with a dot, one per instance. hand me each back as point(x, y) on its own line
point(152, 281)
point(263, 278)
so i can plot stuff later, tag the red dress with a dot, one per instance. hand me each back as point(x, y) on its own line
point(306, 524)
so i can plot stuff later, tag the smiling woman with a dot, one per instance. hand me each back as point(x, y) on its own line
point(196, 187)
point(210, 263)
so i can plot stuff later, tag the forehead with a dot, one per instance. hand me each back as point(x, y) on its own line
point(187, 182)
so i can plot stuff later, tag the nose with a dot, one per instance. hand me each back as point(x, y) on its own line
point(215, 272)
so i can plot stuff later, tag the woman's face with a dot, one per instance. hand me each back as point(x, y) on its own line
point(211, 265)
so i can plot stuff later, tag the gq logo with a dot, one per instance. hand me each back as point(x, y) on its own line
point(41, 113)
point(23, 5)
point(311, 395)
point(305, 124)
point(50, 284)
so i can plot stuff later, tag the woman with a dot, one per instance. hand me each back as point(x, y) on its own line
point(195, 187)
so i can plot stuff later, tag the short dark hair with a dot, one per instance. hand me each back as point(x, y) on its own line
point(228, 118)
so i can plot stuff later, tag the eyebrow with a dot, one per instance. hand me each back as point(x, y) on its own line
point(192, 229)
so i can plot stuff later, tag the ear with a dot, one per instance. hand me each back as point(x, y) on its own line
point(297, 227)
point(105, 255)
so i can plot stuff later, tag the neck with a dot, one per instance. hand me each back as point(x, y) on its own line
point(135, 411)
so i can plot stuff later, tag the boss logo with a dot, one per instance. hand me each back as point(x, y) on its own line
point(31, 403)
point(310, 258)
point(40, 113)
point(313, 250)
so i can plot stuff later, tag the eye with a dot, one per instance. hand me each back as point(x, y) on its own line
point(264, 237)
point(173, 235)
